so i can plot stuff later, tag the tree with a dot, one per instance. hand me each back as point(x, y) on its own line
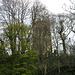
point(41, 35)
point(63, 30)
point(17, 37)
point(22, 60)
point(71, 11)
point(15, 11)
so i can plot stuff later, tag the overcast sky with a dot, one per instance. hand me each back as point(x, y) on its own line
point(55, 6)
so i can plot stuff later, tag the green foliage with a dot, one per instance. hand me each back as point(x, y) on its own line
point(19, 64)
point(26, 61)
point(64, 63)
point(17, 36)
point(23, 60)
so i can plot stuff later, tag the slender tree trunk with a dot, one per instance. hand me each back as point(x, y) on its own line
point(58, 66)
point(50, 43)
point(45, 70)
point(64, 48)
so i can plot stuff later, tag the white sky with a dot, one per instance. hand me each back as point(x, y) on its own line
point(55, 6)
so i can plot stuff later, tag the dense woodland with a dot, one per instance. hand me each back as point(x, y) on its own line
point(34, 41)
